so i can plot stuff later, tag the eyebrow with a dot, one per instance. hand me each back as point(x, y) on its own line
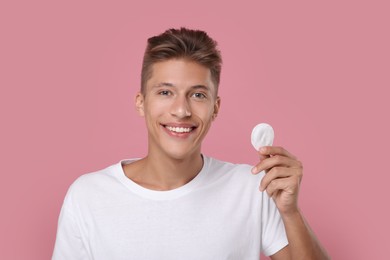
point(163, 84)
point(167, 84)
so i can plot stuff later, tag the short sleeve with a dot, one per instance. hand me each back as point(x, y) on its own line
point(69, 244)
point(273, 232)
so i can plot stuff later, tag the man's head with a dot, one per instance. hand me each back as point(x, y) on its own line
point(179, 93)
point(191, 45)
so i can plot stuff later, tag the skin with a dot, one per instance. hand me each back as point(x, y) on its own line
point(282, 180)
point(181, 93)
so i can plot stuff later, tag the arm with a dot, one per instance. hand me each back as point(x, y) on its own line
point(302, 242)
point(281, 182)
point(68, 244)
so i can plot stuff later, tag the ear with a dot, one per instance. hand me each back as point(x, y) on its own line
point(139, 103)
point(217, 105)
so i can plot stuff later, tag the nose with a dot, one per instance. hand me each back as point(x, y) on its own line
point(181, 107)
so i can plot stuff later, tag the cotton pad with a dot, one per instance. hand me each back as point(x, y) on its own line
point(262, 135)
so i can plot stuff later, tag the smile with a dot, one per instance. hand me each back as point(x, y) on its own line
point(179, 129)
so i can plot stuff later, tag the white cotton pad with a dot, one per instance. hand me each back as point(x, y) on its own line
point(262, 135)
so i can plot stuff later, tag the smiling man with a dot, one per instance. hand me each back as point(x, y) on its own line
point(177, 203)
point(179, 103)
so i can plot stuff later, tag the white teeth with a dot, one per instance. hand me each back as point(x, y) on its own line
point(179, 129)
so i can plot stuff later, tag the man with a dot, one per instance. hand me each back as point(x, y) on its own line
point(177, 203)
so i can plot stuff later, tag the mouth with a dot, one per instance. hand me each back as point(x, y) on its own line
point(179, 129)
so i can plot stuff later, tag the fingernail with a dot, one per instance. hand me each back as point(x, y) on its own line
point(263, 149)
point(254, 170)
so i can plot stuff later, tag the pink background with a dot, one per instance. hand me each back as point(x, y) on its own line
point(317, 72)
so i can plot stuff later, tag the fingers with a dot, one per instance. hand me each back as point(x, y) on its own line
point(274, 161)
point(271, 151)
point(275, 150)
point(284, 171)
point(276, 186)
point(281, 178)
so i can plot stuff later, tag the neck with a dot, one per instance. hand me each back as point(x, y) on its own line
point(159, 172)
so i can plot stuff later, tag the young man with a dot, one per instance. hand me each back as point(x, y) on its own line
point(177, 203)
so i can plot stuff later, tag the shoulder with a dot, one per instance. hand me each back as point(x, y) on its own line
point(235, 172)
point(93, 185)
point(224, 167)
point(96, 178)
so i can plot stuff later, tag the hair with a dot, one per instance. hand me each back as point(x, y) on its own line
point(183, 43)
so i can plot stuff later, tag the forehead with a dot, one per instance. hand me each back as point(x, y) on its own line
point(180, 73)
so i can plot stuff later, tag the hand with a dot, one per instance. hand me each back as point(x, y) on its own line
point(282, 179)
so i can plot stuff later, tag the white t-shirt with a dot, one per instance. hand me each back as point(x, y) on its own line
point(220, 214)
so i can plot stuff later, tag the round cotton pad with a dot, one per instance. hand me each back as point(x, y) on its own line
point(262, 135)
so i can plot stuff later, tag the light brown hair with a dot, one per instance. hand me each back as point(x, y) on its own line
point(194, 45)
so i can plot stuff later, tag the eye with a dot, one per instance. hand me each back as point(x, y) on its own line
point(164, 93)
point(199, 95)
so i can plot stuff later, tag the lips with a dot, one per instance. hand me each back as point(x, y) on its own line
point(179, 129)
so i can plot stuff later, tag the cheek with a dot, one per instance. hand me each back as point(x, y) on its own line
point(205, 114)
point(155, 108)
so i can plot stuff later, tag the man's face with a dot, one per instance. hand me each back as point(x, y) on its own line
point(179, 104)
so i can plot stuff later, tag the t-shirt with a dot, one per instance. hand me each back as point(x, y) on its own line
point(220, 214)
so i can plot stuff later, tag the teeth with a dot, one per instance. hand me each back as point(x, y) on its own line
point(179, 129)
